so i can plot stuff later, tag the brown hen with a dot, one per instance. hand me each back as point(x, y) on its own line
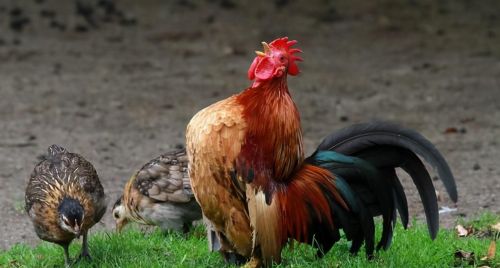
point(64, 199)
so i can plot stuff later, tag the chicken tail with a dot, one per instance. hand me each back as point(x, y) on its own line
point(363, 158)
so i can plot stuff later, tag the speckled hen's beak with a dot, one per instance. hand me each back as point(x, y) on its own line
point(120, 225)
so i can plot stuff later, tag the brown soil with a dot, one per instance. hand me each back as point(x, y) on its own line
point(122, 92)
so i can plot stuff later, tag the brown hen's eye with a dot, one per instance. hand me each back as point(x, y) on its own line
point(116, 215)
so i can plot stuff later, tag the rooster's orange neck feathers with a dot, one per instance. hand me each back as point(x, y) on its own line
point(272, 148)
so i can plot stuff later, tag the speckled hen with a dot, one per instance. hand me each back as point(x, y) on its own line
point(159, 194)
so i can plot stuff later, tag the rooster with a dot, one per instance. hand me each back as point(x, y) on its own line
point(258, 191)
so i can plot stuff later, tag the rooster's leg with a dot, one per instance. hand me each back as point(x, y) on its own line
point(227, 252)
point(254, 262)
point(233, 258)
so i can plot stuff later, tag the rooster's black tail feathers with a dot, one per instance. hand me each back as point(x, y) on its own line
point(363, 157)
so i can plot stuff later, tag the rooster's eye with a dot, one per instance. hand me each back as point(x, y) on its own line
point(116, 215)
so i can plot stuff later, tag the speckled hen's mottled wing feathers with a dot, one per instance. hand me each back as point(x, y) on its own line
point(165, 178)
point(214, 138)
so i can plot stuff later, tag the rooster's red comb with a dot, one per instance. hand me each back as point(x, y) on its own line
point(260, 70)
point(286, 45)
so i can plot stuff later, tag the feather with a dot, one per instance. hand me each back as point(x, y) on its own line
point(355, 154)
point(423, 181)
point(55, 149)
point(358, 170)
point(162, 178)
point(361, 136)
point(365, 230)
point(370, 176)
point(400, 198)
point(404, 158)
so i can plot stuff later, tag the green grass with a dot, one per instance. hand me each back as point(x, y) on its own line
point(410, 248)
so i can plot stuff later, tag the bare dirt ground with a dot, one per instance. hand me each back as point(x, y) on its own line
point(120, 87)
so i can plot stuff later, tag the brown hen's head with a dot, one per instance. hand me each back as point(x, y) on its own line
point(71, 214)
point(276, 61)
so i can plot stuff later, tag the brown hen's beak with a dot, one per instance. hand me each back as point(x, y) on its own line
point(77, 231)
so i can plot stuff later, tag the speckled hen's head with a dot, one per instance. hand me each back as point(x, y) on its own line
point(277, 60)
point(120, 214)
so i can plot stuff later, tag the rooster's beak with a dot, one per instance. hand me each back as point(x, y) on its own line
point(266, 47)
point(260, 53)
point(266, 50)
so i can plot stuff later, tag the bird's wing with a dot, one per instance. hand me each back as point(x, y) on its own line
point(165, 178)
point(214, 138)
point(86, 175)
point(36, 190)
point(47, 176)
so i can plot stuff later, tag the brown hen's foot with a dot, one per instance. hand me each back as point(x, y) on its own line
point(84, 255)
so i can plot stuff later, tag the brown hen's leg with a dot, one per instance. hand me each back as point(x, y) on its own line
point(85, 248)
point(67, 261)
